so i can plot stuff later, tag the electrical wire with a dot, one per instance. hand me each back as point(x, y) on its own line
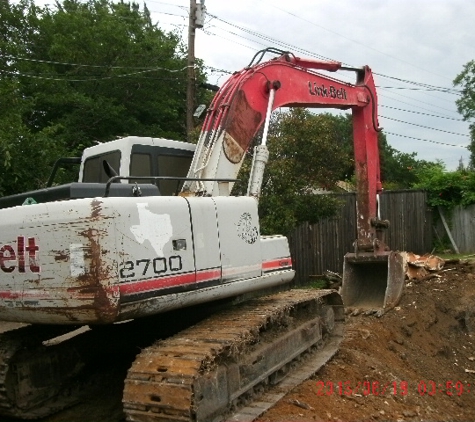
point(412, 105)
point(434, 87)
point(420, 86)
point(167, 4)
point(29, 59)
point(350, 39)
point(427, 140)
point(425, 127)
point(418, 101)
point(427, 87)
point(444, 90)
point(234, 42)
point(423, 114)
point(270, 39)
point(88, 79)
point(214, 69)
point(423, 87)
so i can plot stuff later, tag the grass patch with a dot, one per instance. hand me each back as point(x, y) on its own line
point(446, 256)
point(318, 284)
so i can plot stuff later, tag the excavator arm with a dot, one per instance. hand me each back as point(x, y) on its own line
point(373, 276)
point(240, 107)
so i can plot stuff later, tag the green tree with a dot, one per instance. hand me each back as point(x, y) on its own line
point(399, 170)
point(466, 103)
point(20, 165)
point(308, 152)
point(85, 72)
point(444, 188)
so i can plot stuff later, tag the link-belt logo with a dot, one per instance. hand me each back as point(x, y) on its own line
point(326, 92)
point(19, 257)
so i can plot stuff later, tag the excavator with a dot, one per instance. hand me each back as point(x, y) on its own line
point(151, 244)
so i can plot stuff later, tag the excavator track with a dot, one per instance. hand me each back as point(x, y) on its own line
point(32, 374)
point(216, 368)
point(44, 369)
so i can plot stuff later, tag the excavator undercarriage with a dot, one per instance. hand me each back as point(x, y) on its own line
point(206, 372)
point(218, 366)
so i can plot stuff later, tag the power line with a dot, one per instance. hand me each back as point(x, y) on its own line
point(273, 40)
point(171, 14)
point(413, 105)
point(29, 59)
point(167, 4)
point(287, 46)
point(419, 101)
point(89, 79)
point(444, 90)
point(427, 87)
point(214, 69)
point(434, 87)
point(254, 33)
point(426, 140)
point(350, 39)
point(235, 42)
point(423, 114)
point(424, 87)
point(425, 127)
point(400, 121)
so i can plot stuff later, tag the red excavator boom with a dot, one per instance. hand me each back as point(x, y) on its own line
point(240, 108)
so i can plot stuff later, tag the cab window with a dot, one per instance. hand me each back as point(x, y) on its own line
point(172, 165)
point(140, 165)
point(94, 170)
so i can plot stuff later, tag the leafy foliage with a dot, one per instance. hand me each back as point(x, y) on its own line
point(399, 170)
point(307, 153)
point(82, 73)
point(466, 103)
point(446, 189)
point(310, 152)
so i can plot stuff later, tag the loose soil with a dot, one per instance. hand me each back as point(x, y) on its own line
point(415, 363)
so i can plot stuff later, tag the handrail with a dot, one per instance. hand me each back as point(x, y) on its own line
point(155, 178)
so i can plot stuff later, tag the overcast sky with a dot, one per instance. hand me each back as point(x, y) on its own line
point(419, 41)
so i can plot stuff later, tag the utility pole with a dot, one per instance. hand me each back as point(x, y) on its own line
point(196, 21)
point(190, 92)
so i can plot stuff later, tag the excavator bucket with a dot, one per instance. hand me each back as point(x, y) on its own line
point(372, 281)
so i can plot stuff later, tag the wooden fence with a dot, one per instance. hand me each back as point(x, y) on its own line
point(322, 246)
point(461, 223)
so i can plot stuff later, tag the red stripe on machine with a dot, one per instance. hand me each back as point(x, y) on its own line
point(277, 264)
point(208, 275)
point(173, 281)
point(10, 295)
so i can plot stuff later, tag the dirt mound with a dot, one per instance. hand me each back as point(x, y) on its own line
point(416, 362)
